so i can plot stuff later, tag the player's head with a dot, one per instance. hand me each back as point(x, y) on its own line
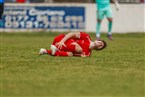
point(100, 44)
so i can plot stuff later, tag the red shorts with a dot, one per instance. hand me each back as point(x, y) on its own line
point(68, 44)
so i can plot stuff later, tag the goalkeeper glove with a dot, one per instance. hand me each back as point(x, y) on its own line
point(117, 5)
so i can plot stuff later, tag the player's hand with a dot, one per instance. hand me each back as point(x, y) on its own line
point(83, 54)
point(117, 6)
point(60, 44)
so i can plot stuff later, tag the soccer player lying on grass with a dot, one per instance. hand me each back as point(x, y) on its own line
point(73, 44)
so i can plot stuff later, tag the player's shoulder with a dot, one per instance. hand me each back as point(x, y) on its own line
point(84, 34)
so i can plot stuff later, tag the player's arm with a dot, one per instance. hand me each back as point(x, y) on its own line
point(71, 35)
point(116, 3)
point(68, 36)
point(80, 55)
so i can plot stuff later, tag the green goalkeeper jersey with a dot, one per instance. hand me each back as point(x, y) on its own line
point(103, 4)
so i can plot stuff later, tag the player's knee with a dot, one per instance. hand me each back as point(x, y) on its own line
point(110, 19)
point(70, 54)
point(79, 50)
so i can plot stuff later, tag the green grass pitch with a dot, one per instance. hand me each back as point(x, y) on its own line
point(117, 71)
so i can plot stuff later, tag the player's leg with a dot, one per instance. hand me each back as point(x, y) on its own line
point(63, 54)
point(57, 53)
point(100, 16)
point(74, 47)
point(71, 47)
point(110, 23)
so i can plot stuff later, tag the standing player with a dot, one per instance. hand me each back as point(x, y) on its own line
point(73, 44)
point(1, 11)
point(104, 9)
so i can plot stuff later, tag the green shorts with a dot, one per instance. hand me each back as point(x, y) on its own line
point(102, 13)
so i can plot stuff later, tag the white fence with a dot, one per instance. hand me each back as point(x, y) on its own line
point(130, 18)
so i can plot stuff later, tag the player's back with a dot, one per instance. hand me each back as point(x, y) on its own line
point(103, 4)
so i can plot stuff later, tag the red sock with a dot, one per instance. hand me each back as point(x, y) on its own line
point(60, 53)
point(57, 53)
point(49, 52)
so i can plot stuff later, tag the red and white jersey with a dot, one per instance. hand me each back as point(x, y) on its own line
point(83, 41)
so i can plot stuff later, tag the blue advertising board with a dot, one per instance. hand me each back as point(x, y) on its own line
point(45, 17)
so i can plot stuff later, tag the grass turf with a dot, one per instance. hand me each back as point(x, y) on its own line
point(117, 71)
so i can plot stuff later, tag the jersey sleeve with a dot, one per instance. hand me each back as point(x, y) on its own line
point(58, 38)
point(84, 36)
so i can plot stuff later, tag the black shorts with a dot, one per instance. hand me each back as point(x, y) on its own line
point(1, 9)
